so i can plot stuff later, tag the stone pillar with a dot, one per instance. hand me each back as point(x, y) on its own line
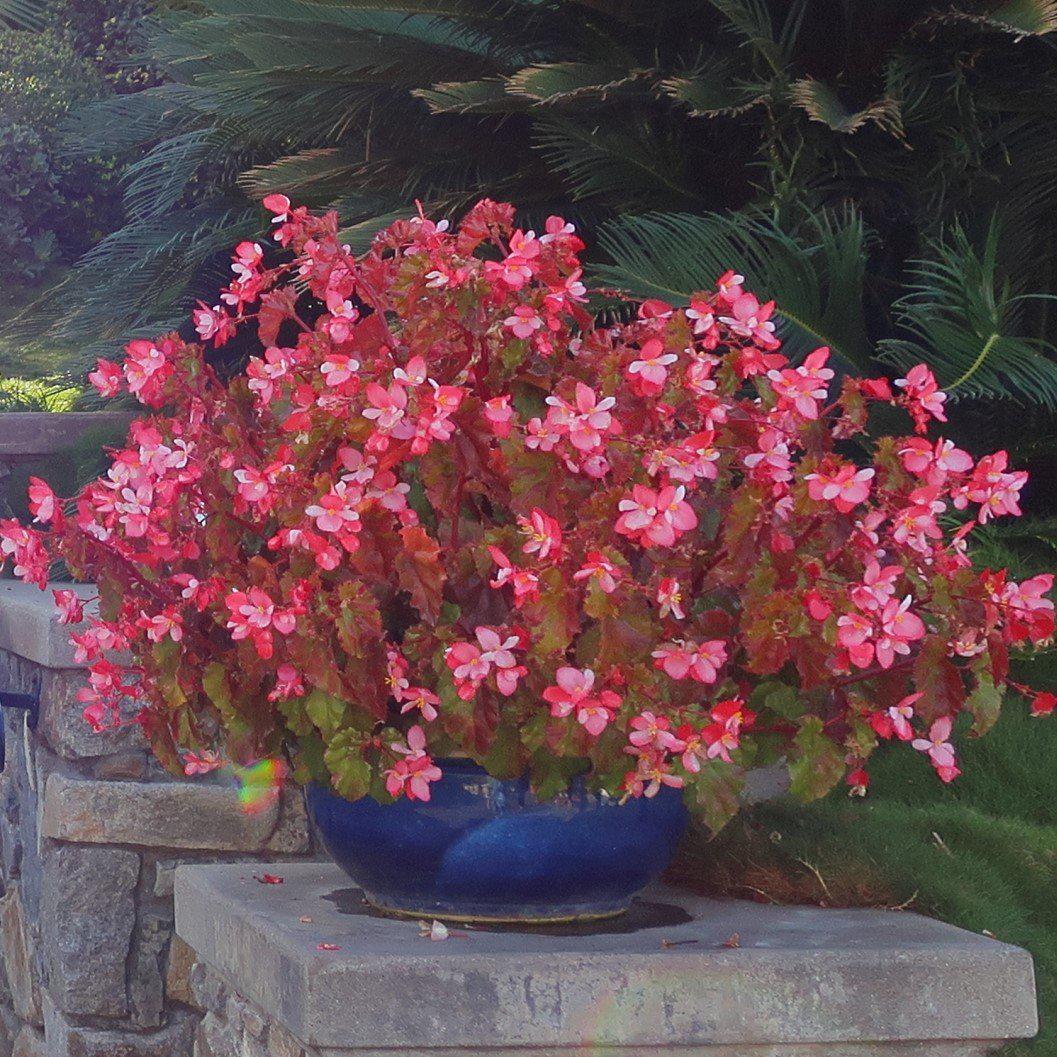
point(91, 830)
point(304, 969)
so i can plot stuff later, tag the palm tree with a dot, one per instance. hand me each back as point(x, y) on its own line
point(887, 171)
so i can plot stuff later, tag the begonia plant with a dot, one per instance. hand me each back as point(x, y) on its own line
point(448, 510)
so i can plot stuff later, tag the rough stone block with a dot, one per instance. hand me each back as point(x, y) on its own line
point(292, 834)
point(207, 989)
point(89, 913)
point(146, 966)
point(180, 962)
point(173, 814)
point(663, 981)
point(66, 1038)
point(216, 1036)
point(18, 958)
point(30, 1043)
point(62, 724)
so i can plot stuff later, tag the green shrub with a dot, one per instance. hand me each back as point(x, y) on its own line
point(109, 34)
point(54, 208)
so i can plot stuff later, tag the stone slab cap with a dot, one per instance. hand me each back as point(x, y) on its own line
point(163, 814)
point(662, 979)
point(32, 434)
point(29, 624)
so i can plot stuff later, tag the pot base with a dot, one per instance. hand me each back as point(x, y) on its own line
point(524, 917)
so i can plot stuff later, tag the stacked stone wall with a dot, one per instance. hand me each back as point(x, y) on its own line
point(91, 830)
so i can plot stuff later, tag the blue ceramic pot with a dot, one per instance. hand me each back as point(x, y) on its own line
point(483, 849)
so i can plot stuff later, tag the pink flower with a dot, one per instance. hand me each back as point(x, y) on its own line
point(411, 776)
point(599, 568)
point(524, 582)
point(750, 319)
point(524, 322)
point(337, 510)
point(70, 606)
point(877, 587)
point(937, 745)
point(544, 535)
point(670, 598)
point(211, 324)
point(653, 732)
point(574, 693)
point(338, 368)
point(854, 632)
point(655, 518)
point(901, 714)
point(997, 491)
point(699, 661)
point(288, 684)
point(500, 415)
point(425, 701)
point(845, 488)
point(899, 628)
point(936, 461)
point(252, 615)
point(651, 369)
point(43, 504)
point(492, 654)
point(922, 396)
point(802, 388)
point(728, 286)
point(106, 378)
point(195, 763)
point(387, 406)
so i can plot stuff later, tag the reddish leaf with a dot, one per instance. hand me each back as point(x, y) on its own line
point(420, 572)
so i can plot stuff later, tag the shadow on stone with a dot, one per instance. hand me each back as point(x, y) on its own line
point(642, 914)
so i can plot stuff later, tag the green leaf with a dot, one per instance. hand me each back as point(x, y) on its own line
point(326, 711)
point(817, 762)
point(715, 91)
point(505, 756)
point(350, 772)
point(551, 774)
point(984, 702)
point(712, 795)
point(779, 698)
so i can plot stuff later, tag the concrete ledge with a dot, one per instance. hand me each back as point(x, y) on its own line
point(844, 983)
point(29, 625)
point(168, 814)
point(28, 435)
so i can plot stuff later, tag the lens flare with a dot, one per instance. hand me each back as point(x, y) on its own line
point(259, 784)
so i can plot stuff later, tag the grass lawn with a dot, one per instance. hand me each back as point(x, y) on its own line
point(980, 853)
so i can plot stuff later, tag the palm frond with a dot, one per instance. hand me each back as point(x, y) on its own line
point(821, 103)
point(23, 14)
point(484, 96)
point(1021, 18)
point(714, 91)
point(629, 163)
point(563, 82)
point(310, 176)
point(816, 280)
point(961, 317)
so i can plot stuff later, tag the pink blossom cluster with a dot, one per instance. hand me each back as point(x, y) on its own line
point(445, 510)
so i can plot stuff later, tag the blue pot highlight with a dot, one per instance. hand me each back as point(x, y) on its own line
point(484, 849)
